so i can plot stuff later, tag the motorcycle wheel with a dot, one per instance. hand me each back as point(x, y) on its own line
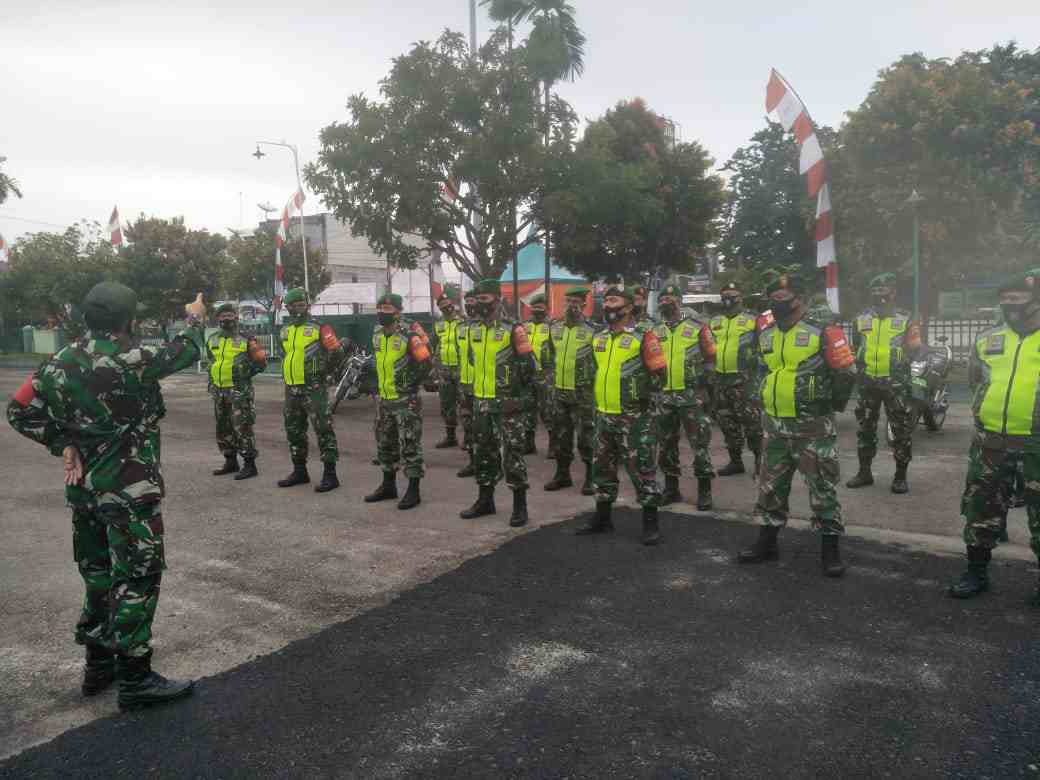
point(340, 392)
point(934, 421)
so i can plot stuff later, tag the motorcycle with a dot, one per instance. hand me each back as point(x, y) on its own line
point(928, 387)
point(358, 378)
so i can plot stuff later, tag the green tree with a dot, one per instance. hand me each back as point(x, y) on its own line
point(249, 270)
point(443, 116)
point(7, 184)
point(631, 200)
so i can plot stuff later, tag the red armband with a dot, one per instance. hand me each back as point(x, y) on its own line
point(653, 356)
point(418, 348)
point(836, 348)
point(708, 343)
point(25, 393)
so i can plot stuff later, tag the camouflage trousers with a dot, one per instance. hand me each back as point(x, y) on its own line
point(628, 439)
point(738, 416)
point(498, 443)
point(120, 557)
point(448, 391)
point(899, 412)
point(235, 411)
point(817, 460)
point(399, 429)
point(672, 421)
point(540, 407)
point(989, 489)
point(573, 414)
point(466, 416)
point(303, 403)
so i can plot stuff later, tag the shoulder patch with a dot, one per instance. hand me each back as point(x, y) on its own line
point(802, 339)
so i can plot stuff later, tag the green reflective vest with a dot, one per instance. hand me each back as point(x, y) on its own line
point(447, 341)
point(1007, 400)
point(537, 333)
point(490, 350)
point(734, 340)
point(881, 343)
point(681, 344)
point(622, 381)
point(572, 346)
point(225, 352)
point(300, 345)
point(795, 383)
point(391, 356)
point(462, 339)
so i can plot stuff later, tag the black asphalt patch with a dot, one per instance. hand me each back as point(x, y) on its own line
point(564, 656)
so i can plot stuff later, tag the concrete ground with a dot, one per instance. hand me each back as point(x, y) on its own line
point(254, 567)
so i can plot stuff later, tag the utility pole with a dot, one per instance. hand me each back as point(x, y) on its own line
point(913, 200)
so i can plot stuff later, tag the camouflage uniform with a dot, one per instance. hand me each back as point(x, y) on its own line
point(738, 416)
point(465, 406)
point(569, 351)
point(799, 419)
point(104, 398)
point(447, 352)
point(231, 386)
point(400, 422)
point(307, 371)
point(540, 400)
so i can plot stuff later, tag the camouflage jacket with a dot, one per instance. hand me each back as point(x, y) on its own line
point(104, 399)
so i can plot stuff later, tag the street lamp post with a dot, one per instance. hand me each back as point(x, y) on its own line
point(303, 238)
point(913, 200)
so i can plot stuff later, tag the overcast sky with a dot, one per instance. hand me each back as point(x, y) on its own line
point(155, 106)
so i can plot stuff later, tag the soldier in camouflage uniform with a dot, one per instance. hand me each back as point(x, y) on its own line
point(446, 360)
point(885, 340)
point(630, 367)
point(807, 373)
point(569, 351)
point(1004, 373)
point(234, 361)
point(538, 332)
point(97, 404)
point(466, 381)
point(735, 376)
point(312, 356)
point(689, 349)
point(402, 365)
point(503, 370)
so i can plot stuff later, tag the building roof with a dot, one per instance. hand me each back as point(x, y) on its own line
point(532, 267)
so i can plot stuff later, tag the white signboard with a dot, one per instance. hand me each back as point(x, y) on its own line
point(364, 293)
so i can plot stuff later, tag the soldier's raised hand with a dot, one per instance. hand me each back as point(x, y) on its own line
point(196, 310)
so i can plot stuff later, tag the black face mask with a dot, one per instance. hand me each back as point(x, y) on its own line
point(782, 309)
point(482, 309)
point(881, 300)
point(298, 316)
point(1017, 315)
point(447, 311)
point(573, 315)
point(385, 318)
point(730, 303)
point(471, 308)
point(612, 315)
point(669, 310)
point(228, 325)
point(537, 316)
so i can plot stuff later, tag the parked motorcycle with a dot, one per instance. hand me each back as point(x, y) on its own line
point(358, 378)
point(929, 387)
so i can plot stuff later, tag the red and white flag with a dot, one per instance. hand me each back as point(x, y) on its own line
point(5, 253)
point(449, 190)
point(295, 204)
point(115, 232)
point(795, 118)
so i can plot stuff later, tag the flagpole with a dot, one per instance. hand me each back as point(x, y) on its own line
point(299, 187)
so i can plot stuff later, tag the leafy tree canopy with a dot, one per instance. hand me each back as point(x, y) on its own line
point(249, 270)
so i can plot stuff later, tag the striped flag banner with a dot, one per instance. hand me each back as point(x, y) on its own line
point(782, 100)
point(5, 253)
point(115, 232)
point(295, 204)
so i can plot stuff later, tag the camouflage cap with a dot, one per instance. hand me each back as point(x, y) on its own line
point(1028, 281)
point(618, 291)
point(226, 308)
point(489, 287)
point(393, 299)
point(886, 279)
point(295, 295)
point(577, 292)
point(539, 298)
point(109, 305)
point(670, 289)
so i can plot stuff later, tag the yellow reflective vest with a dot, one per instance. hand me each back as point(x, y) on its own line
point(225, 352)
point(462, 339)
point(300, 345)
point(572, 349)
point(623, 383)
point(795, 363)
point(490, 352)
point(681, 344)
point(1007, 393)
point(734, 342)
point(880, 344)
point(447, 341)
point(538, 334)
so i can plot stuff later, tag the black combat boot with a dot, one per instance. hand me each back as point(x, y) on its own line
point(248, 469)
point(651, 530)
point(863, 477)
point(899, 484)
point(704, 502)
point(99, 671)
point(599, 523)
point(519, 516)
point(975, 579)
point(329, 480)
point(468, 470)
point(230, 464)
point(671, 493)
point(830, 556)
point(411, 497)
point(386, 490)
point(484, 505)
point(299, 476)
point(764, 548)
point(562, 478)
point(449, 439)
point(735, 465)
point(139, 686)
point(588, 488)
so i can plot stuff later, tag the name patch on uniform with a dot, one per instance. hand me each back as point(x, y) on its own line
point(498, 334)
point(477, 334)
point(743, 322)
point(802, 339)
point(898, 324)
point(687, 333)
point(866, 323)
point(600, 345)
point(308, 331)
point(626, 342)
point(995, 345)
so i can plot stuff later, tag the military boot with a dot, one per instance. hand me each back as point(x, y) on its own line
point(735, 465)
point(671, 494)
point(329, 480)
point(899, 484)
point(519, 516)
point(449, 439)
point(139, 686)
point(468, 470)
point(863, 477)
point(248, 469)
point(975, 579)
point(651, 530)
point(588, 488)
point(411, 496)
point(599, 523)
point(562, 478)
point(99, 671)
point(230, 464)
point(298, 476)
point(386, 490)
point(484, 505)
point(764, 548)
point(830, 556)
point(704, 502)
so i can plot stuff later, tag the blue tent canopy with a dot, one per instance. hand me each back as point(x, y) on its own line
point(532, 267)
